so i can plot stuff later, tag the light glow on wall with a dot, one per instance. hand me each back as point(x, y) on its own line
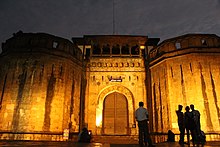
point(142, 47)
point(98, 117)
point(99, 120)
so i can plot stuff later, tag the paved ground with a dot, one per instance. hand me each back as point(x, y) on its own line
point(75, 144)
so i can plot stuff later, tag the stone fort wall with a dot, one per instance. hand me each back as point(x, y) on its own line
point(40, 81)
point(185, 70)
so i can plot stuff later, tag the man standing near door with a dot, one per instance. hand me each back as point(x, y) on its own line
point(141, 115)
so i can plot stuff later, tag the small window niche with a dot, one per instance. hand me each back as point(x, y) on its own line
point(106, 49)
point(116, 49)
point(178, 45)
point(55, 44)
point(96, 49)
point(125, 49)
point(135, 50)
point(204, 42)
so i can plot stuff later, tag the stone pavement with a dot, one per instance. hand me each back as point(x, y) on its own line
point(75, 144)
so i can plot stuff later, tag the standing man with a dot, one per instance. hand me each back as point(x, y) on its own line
point(196, 118)
point(189, 125)
point(141, 115)
point(180, 119)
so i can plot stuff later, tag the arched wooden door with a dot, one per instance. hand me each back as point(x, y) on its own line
point(115, 114)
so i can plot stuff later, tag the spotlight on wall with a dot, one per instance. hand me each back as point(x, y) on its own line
point(142, 47)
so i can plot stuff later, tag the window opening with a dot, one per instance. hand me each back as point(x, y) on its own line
point(204, 42)
point(96, 49)
point(135, 50)
point(106, 49)
point(116, 49)
point(55, 44)
point(125, 50)
point(178, 45)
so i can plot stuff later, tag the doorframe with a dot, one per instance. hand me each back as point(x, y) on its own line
point(127, 123)
point(100, 102)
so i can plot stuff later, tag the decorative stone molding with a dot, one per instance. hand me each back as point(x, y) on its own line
point(116, 64)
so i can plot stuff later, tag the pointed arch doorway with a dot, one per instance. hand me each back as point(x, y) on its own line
point(115, 114)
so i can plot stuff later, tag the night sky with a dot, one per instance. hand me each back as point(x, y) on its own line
point(74, 18)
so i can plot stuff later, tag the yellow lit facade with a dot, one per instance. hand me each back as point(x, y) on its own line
point(185, 70)
point(49, 84)
point(115, 73)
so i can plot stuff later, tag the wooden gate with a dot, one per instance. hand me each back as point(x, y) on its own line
point(115, 114)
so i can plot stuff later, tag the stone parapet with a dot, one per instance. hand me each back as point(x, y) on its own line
point(41, 42)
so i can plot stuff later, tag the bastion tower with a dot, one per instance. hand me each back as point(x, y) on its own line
point(186, 70)
point(40, 80)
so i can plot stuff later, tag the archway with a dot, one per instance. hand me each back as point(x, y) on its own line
point(100, 106)
point(115, 114)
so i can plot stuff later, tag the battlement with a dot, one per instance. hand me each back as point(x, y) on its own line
point(114, 45)
point(40, 42)
point(199, 41)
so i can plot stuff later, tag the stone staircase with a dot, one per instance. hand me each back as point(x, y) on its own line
point(119, 139)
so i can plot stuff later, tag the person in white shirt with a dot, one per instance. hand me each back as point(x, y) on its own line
point(141, 115)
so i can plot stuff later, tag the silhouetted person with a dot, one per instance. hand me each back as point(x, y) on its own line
point(171, 136)
point(84, 136)
point(196, 118)
point(180, 117)
point(189, 125)
point(141, 115)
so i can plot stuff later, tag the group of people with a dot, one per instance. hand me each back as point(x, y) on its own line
point(190, 122)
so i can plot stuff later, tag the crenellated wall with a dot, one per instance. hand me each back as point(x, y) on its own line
point(39, 87)
point(186, 75)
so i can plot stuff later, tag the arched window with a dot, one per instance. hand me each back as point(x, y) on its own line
point(116, 49)
point(178, 45)
point(204, 42)
point(125, 49)
point(55, 44)
point(106, 49)
point(135, 50)
point(96, 49)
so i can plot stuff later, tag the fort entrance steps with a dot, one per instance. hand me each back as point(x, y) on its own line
point(115, 139)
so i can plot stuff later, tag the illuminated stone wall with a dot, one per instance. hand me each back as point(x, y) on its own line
point(185, 70)
point(113, 64)
point(99, 85)
point(45, 89)
point(40, 82)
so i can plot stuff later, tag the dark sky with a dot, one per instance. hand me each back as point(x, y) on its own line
point(74, 18)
